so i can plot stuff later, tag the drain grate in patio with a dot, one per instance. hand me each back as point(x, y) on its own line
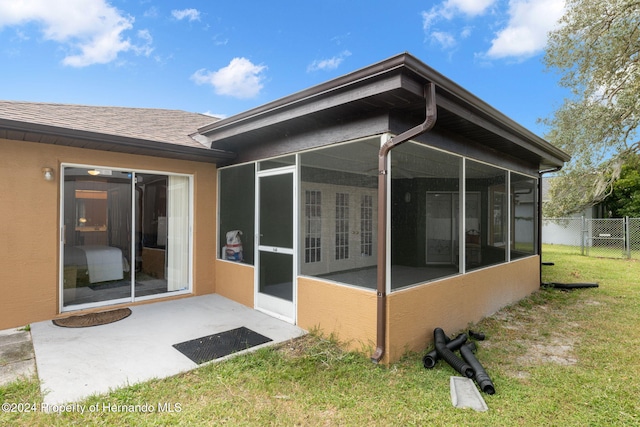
point(204, 349)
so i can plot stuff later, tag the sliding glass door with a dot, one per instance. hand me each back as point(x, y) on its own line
point(125, 236)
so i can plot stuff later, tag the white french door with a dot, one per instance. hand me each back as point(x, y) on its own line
point(338, 230)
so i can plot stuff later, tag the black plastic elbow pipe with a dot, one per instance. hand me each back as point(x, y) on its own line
point(572, 285)
point(448, 356)
point(481, 376)
point(429, 360)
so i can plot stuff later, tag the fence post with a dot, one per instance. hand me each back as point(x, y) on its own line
point(583, 232)
point(627, 237)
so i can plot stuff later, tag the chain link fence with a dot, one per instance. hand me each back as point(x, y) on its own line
point(606, 238)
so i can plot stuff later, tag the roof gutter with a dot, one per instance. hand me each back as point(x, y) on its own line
point(383, 156)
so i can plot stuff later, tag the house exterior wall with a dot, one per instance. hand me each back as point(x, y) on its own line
point(235, 281)
point(347, 312)
point(453, 303)
point(30, 222)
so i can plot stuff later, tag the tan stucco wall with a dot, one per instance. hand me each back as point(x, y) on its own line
point(453, 303)
point(348, 313)
point(30, 221)
point(235, 281)
point(412, 314)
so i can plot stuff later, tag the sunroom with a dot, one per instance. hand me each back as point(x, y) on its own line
point(378, 206)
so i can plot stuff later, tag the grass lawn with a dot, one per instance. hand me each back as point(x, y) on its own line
point(559, 358)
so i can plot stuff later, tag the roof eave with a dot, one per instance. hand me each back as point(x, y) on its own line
point(115, 143)
point(308, 95)
point(553, 156)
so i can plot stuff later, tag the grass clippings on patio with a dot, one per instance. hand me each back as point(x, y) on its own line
point(562, 358)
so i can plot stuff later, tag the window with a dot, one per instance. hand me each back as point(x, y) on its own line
point(313, 226)
point(342, 226)
point(366, 225)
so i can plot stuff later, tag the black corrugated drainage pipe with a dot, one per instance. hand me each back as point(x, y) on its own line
point(381, 287)
point(481, 376)
point(448, 356)
point(570, 285)
point(429, 360)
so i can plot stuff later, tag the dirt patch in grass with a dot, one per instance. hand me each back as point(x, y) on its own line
point(558, 350)
point(297, 347)
point(527, 343)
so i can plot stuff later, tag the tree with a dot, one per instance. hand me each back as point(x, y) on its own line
point(596, 49)
point(624, 199)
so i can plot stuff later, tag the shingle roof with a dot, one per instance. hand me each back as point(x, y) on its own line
point(167, 126)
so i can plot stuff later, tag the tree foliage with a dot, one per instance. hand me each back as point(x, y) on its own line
point(624, 199)
point(596, 48)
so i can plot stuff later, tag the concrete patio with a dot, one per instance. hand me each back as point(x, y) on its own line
point(74, 363)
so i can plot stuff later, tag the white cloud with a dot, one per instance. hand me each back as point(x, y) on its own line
point(330, 63)
point(526, 32)
point(444, 39)
point(215, 115)
point(429, 18)
point(469, 7)
point(92, 30)
point(466, 32)
point(190, 14)
point(219, 40)
point(447, 11)
point(147, 41)
point(152, 12)
point(240, 79)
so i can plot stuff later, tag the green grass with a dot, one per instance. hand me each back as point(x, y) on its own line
point(556, 358)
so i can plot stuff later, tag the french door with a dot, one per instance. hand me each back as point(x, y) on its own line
point(338, 230)
point(275, 248)
point(125, 236)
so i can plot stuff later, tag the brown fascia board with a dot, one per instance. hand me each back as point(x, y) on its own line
point(376, 79)
point(317, 94)
point(105, 142)
point(464, 103)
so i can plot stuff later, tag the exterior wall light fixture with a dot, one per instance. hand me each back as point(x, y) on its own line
point(48, 174)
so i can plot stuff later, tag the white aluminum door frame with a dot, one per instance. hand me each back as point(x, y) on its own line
point(277, 307)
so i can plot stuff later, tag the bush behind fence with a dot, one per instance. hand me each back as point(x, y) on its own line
point(602, 237)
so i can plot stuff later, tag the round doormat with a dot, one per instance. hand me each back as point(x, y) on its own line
point(93, 319)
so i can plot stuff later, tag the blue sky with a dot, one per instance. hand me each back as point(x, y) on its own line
point(222, 58)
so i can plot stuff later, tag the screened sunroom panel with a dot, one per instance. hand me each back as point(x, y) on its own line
point(488, 244)
point(236, 195)
point(338, 213)
point(425, 214)
point(524, 223)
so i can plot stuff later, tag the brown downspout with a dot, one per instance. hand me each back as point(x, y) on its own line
point(429, 121)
